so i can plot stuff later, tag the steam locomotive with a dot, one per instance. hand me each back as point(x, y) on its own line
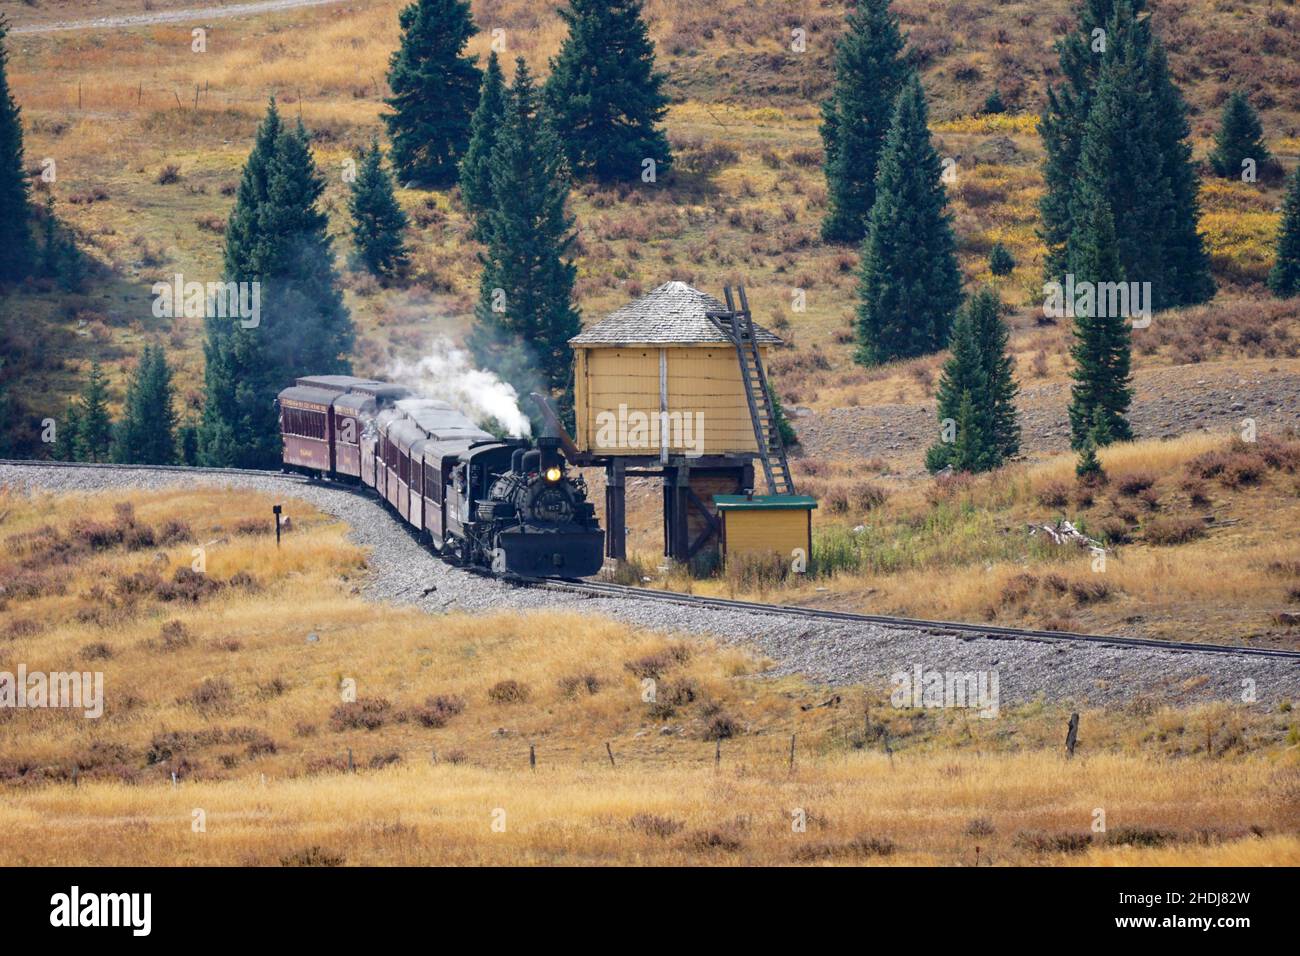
point(499, 504)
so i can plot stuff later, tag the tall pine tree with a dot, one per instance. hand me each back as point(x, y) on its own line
point(6, 413)
point(278, 239)
point(977, 392)
point(1240, 137)
point(67, 434)
point(1187, 278)
point(1118, 30)
point(147, 432)
point(95, 426)
point(377, 220)
point(869, 73)
point(604, 96)
point(1120, 164)
point(1101, 393)
point(525, 315)
point(435, 90)
point(476, 167)
point(1284, 278)
point(999, 368)
point(909, 283)
point(15, 216)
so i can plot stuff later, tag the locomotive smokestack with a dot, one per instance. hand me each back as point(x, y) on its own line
point(549, 448)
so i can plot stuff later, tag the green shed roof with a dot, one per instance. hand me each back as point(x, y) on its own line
point(764, 502)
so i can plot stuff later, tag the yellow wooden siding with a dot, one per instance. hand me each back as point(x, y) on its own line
point(702, 381)
point(580, 396)
point(760, 531)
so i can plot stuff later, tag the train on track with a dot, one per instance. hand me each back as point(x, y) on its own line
point(503, 505)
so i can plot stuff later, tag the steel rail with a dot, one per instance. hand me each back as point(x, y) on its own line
point(628, 592)
point(992, 631)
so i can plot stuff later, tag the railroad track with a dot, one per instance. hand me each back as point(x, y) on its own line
point(180, 469)
point(992, 631)
point(607, 590)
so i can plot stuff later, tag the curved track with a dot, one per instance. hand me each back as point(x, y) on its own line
point(607, 590)
point(180, 469)
point(602, 589)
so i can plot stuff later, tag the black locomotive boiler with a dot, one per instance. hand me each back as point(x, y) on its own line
point(499, 504)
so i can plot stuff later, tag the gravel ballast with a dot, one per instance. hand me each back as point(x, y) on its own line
point(402, 571)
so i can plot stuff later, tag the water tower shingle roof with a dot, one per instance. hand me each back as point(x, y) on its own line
point(672, 314)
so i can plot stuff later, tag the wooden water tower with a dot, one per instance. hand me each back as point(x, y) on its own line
point(673, 386)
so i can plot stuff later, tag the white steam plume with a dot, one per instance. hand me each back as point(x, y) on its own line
point(447, 372)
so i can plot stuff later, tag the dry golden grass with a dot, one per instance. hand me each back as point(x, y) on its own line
point(859, 809)
point(266, 760)
point(965, 554)
point(754, 219)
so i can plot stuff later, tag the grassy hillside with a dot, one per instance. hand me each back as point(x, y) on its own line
point(1191, 529)
point(214, 677)
point(117, 108)
point(149, 138)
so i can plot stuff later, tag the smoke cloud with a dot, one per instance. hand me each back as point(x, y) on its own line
point(448, 373)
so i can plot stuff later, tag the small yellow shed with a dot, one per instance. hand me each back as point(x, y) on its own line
point(763, 524)
point(659, 377)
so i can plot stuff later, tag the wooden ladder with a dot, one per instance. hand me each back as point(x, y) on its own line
point(738, 325)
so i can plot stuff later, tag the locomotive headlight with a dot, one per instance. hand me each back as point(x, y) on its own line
point(553, 474)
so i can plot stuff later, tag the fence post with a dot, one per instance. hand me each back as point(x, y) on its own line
point(1072, 735)
point(532, 758)
point(717, 755)
point(277, 509)
point(352, 767)
point(609, 750)
point(792, 753)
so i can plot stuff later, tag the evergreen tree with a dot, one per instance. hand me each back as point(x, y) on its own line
point(788, 435)
point(1187, 279)
point(147, 432)
point(1062, 121)
point(999, 371)
point(1120, 165)
point(1284, 278)
point(278, 239)
point(15, 217)
point(964, 406)
point(187, 442)
point(604, 96)
point(870, 71)
point(435, 90)
point(1240, 137)
point(51, 244)
point(95, 426)
point(67, 434)
point(377, 220)
point(909, 283)
point(993, 102)
point(1089, 468)
point(978, 372)
point(1116, 32)
point(476, 167)
point(525, 314)
point(971, 451)
point(6, 413)
point(72, 264)
point(1101, 392)
point(1001, 262)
